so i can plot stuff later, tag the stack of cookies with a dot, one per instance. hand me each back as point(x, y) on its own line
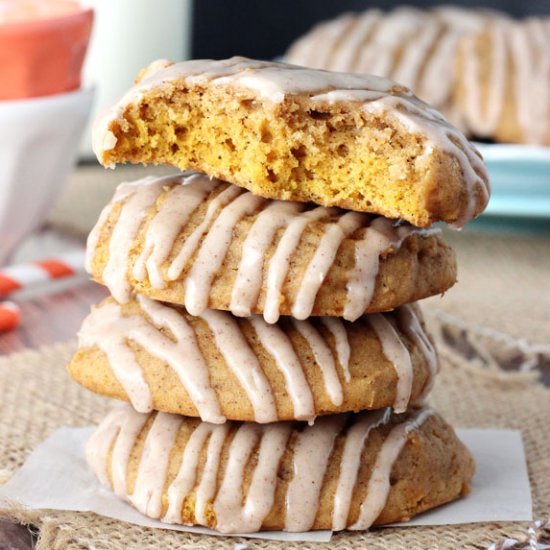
point(262, 325)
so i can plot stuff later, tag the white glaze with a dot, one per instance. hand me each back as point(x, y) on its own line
point(398, 354)
point(153, 465)
point(213, 250)
point(262, 233)
point(312, 451)
point(415, 48)
point(483, 115)
point(379, 56)
point(351, 461)
point(518, 59)
point(280, 261)
point(381, 235)
point(208, 483)
point(185, 481)
point(410, 325)
point(231, 515)
point(137, 198)
point(123, 191)
point(379, 483)
point(173, 215)
point(109, 330)
point(277, 343)
point(322, 260)
point(341, 342)
point(243, 362)
point(329, 34)
point(115, 274)
point(192, 242)
point(222, 487)
point(324, 358)
point(101, 441)
point(117, 434)
point(346, 56)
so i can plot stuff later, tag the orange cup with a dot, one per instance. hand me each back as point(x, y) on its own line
point(41, 57)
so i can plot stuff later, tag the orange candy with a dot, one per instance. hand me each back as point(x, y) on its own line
point(9, 316)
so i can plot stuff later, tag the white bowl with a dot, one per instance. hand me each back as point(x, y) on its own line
point(39, 140)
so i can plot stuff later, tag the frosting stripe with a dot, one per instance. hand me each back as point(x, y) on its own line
point(340, 335)
point(243, 362)
point(322, 260)
point(277, 343)
point(324, 358)
point(398, 355)
point(153, 464)
point(351, 460)
point(213, 250)
point(379, 483)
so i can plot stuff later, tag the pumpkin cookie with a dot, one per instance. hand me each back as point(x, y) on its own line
point(344, 472)
point(217, 366)
point(204, 243)
point(285, 132)
point(503, 87)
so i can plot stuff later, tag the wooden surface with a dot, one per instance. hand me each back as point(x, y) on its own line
point(49, 314)
point(52, 317)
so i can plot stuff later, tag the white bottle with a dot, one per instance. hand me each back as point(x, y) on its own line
point(127, 36)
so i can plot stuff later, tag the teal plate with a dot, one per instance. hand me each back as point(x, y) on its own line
point(520, 180)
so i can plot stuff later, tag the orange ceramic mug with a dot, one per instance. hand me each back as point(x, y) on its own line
point(42, 50)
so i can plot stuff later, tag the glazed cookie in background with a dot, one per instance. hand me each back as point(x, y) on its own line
point(504, 81)
point(344, 472)
point(204, 243)
point(217, 366)
point(414, 47)
point(285, 132)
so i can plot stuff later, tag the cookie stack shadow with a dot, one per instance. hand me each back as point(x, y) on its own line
point(274, 362)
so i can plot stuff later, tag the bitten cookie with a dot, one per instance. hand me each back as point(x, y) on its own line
point(217, 366)
point(503, 87)
point(286, 132)
point(204, 244)
point(344, 472)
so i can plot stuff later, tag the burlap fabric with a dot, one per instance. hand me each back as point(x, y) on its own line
point(487, 380)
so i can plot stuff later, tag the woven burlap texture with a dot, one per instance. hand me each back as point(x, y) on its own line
point(471, 391)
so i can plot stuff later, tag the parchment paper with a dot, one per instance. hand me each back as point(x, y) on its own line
point(56, 477)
